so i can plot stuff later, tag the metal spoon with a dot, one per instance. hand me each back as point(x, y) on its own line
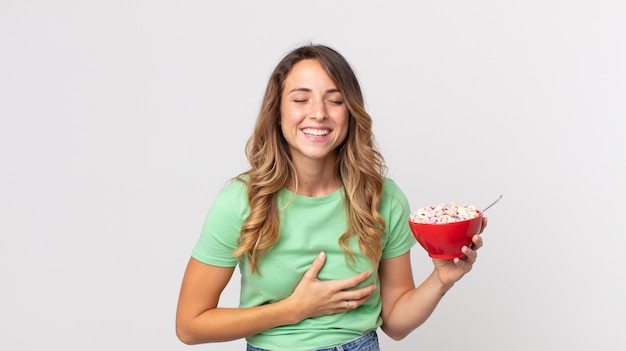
point(493, 203)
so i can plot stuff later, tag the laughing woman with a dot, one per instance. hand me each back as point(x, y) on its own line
point(319, 233)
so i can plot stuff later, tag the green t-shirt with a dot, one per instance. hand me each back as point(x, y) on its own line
point(308, 225)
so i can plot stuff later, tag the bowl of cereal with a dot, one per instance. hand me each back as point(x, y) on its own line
point(442, 230)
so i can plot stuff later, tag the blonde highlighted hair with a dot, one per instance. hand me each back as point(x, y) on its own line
point(360, 166)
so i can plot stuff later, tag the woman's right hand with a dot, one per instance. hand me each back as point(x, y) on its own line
point(313, 297)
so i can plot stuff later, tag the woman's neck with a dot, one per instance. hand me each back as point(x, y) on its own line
point(315, 179)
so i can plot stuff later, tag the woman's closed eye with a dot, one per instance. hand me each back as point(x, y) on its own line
point(300, 99)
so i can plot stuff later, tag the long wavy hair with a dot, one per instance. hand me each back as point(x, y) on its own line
point(359, 166)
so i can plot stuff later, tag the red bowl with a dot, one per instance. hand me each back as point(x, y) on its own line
point(445, 240)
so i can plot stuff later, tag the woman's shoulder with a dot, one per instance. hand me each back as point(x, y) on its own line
point(393, 197)
point(230, 200)
point(236, 184)
point(234, 190)
point(390, 186)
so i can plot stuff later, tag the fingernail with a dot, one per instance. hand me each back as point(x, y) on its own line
point(321, 255)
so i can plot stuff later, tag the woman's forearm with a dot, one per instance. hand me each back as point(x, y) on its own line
point(224, 324)
point(414, 307)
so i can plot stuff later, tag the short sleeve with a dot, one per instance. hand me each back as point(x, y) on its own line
point(222, 226)
point(395, 208)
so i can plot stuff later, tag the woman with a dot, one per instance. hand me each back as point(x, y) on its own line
point(320, 235)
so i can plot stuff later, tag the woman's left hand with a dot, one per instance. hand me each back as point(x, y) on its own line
point(451, 271)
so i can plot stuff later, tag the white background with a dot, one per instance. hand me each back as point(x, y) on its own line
point(120, 120)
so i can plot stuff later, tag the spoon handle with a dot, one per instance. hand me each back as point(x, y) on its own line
point(493, 203)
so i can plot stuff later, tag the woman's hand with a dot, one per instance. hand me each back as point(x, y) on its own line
point(313, 297)
point(451, 271)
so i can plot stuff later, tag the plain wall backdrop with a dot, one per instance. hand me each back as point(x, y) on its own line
point(121, 120)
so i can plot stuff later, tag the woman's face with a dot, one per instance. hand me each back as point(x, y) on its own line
point(313, 115)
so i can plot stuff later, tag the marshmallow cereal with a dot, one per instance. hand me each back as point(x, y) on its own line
point(444, 213)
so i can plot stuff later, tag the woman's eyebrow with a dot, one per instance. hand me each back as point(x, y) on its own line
point(307, 90)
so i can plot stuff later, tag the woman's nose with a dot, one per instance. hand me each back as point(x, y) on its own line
point(318, 110)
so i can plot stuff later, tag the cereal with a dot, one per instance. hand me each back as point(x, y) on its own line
point(444, 213)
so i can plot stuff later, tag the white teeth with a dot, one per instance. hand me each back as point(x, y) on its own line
point(316, 132)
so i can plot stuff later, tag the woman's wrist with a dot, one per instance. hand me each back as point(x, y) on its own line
point(290, 313)
point(439, 286)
